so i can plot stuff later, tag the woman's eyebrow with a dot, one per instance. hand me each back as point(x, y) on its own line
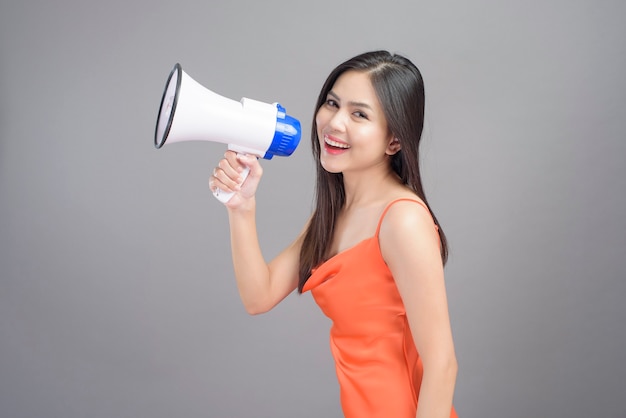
point(351, 103)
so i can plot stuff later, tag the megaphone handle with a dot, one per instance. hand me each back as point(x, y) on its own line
point(226, 196)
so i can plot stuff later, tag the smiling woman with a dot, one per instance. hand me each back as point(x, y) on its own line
point(372, 253)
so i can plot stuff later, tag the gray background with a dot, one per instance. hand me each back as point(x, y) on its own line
point(116, 290)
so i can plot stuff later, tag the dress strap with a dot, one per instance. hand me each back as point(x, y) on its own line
point(382, 216)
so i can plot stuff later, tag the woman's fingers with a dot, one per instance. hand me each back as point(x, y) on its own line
point(236, 173)
point(229, 173)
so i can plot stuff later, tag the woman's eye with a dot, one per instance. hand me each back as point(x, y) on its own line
point(360, 114)
point(331, 103)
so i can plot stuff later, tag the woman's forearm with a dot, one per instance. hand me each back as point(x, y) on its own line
point(251, 270)
point(437, 390)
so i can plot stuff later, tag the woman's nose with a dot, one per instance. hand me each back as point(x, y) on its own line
point(337, 122)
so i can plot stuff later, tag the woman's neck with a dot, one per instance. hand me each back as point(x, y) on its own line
point(364, 188)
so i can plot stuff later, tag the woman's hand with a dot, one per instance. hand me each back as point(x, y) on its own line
point(228, 177)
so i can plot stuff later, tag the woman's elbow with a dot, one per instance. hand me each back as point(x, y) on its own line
point(256, 307)
point(444, 366)
point(453, 367)
point(255, 310)
point(450, 367)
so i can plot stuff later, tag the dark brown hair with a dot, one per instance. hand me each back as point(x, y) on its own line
point(400, 89)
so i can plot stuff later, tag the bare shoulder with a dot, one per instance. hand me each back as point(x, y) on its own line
point(408, 228)
point(407, 213)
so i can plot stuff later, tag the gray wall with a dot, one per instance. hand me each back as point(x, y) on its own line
point(116, 290)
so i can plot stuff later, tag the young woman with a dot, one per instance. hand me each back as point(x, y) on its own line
point(372, 253)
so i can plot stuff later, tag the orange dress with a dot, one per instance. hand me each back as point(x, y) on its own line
point(377, 364)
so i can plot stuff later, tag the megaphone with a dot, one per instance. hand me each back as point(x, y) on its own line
point(191, 112)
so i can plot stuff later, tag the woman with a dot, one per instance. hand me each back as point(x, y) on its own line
point(372, 253)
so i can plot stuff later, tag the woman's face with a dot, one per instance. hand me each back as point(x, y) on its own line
point(351, 127)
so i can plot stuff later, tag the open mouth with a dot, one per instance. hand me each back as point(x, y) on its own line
point(335, 145)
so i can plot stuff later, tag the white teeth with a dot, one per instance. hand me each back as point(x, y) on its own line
point(335, 143)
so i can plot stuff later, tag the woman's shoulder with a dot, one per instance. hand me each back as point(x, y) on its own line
point(407, 227)
point(405, 212)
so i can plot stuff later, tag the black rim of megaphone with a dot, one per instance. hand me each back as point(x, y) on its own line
point(178, 69)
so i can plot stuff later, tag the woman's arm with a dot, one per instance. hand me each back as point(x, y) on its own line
point(261, 285)
point(410, 246)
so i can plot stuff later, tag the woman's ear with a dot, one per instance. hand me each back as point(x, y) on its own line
point(394, 146)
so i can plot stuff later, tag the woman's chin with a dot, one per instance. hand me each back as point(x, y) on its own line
point(331, 168)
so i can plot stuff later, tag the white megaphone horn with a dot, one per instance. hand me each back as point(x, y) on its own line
point(191, 112)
